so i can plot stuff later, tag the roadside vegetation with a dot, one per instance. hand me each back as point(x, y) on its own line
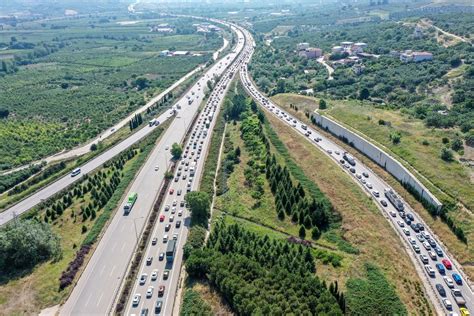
point(76, 216)
point(67, 81)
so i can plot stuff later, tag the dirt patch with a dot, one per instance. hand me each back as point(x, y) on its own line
point(213, 298)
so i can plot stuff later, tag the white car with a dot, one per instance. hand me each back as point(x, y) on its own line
point(154, 275)
point(165, 238)
point(376, 193)
point(149, 292)
point(180, 213)
point(157, 168)
point(449, 282)
point(447, 304)
point(136, 299)
point(369, 185)
point(401, 224)
point(175, 236)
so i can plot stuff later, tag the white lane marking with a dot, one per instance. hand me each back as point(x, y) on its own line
point(100, 299)
point(88, 299)
point(112, 271)
point(102, 270)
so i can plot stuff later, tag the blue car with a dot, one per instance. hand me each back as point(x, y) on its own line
point(457, 279)
point(440, 268)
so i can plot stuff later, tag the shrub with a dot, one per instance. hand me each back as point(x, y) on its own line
point(446, 154)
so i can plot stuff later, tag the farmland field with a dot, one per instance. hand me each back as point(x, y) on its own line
point(69, 80)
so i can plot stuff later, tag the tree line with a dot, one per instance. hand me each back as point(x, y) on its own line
point(258, 275)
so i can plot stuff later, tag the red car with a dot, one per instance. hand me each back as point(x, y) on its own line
point(162, 218)
point(171, 191)
point(447, 264)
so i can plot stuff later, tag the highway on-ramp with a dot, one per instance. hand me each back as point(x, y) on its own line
point(98, 286)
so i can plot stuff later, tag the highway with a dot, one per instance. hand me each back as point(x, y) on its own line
point(375, 187)
point(61, 183)
point(98, 286)
point(186, 178)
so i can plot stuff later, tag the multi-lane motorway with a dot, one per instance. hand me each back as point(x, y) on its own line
point(157, 271)
point(434, 264)
point(100, 281)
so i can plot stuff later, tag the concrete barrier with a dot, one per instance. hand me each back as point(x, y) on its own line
point(379, 156)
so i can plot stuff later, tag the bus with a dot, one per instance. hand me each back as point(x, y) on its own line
point(132, 198)
point(170, 250)
point(75, 172)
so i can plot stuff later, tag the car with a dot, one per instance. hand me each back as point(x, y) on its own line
point(143, 278)
point(358, 176)
point(342, 161)
point(175, 202)
point(440, 268)
point(149, 291)
point(173, 210)
point(167, 208)
point(180, 213)
point(410, 216)
point(420, 237)
point(458, 298)
point(407, 221)
point(149, 260)
point(161, 290)
point(157, 168)
point(412, 240)
point(447, 304)
point(176, 179)
point(406, 231)
point(416, 248)
point(158, 306)
point(401, 224)
point(414, 227)
point(426, 245)
point(440, 290)
point(393, 214)
point(171, 191)
point(161, 256)
point(424, 259)
point(376, 193)
point(352, 170)
point(136, 299)
point(363, 181)
point(457, 278)
point(432, 243)
point(167, 227)
point(369, 185)
point(166, 274)
point(171, 218)
point(447, 264)
point(167, 147)
point(384, 203)
point(432, 255)
point(181, 204)
point(365, 174)
point(179, 192)
point(402, 215)
point(430, 270)
point(420, 226)
point(154, 241)
point(464, 311)
point(175, 236)
point(438, 251)
point(162, 218)
point(449, 282)
point(178, 224)
point(165, 238)
point(329, 151)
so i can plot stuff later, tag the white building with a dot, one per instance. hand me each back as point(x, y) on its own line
point(410, 56)
point(337, 50)
point(302, 46)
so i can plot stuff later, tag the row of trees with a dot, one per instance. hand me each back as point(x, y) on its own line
point(257, 275)
point(291, 199)
point(136, 121)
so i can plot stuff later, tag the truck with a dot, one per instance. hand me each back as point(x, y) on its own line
point(190, 101)
point(132, 198)
point(349, 159)
point(170, 250)
point(394, 199)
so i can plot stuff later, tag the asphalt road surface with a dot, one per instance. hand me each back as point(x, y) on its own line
point(60, 184)
point(375, 187)
point(98, 285)
point(187, 177)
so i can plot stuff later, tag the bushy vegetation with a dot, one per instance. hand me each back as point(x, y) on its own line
point(373, 295)
point(257, 275)
point(71, 83)
point(9, 180)
point(25, 243)
point(194, 305)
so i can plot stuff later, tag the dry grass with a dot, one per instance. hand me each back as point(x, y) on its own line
point(362, 224)
point(213, 298)
point(463, 253)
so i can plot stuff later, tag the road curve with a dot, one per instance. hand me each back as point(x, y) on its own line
point(406, 233)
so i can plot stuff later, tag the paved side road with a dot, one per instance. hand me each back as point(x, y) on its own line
point(426, 257)
point(97, 287)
